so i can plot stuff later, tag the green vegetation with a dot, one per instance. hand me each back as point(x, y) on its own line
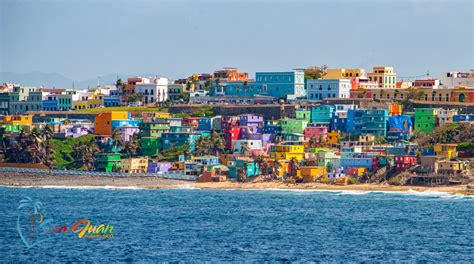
point(32, 146)
point(213, 145)
point(315, 72)
point(199, 112)
point(64, 151)
point(132, 109)
point(460, 133)
point(173, 153)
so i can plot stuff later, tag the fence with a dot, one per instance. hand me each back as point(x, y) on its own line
point(174, 175)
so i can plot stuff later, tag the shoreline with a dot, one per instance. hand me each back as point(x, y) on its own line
point(29, 180)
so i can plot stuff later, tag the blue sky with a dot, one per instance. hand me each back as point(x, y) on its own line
point(85, 39)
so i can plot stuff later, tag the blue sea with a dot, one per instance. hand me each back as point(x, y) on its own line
point(193, 225)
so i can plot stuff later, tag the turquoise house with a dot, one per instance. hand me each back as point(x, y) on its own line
point(322, 114)
point(285, 85)
point(250, 167)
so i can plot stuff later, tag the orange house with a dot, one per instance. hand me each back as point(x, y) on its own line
point(103, 121)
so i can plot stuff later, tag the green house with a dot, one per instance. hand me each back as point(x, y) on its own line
point(425, 120)
point(291, 126)
point(154, 129)
point(149, 146)
point(303, 114)
point(108, 162)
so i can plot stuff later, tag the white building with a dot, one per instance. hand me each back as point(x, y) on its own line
point(341, 109)
point(454, 79)
point(238, 146)
point(153, 89)
point(320, 89)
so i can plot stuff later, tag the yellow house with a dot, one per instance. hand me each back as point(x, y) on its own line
point(18, 120)
point(134, 165)
point(86, 104)
point(312, 173)
point(384, 76)
point(449, 167)
point(344, 73)
point(287, 152)
point(446, 150)
point(333, 137)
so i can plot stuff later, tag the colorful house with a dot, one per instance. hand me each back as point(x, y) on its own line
point(322, 114)
point(287, 151)
point(404, 162)
point(134, 165)
point(293, 125)
point(108, 162)
point(425, 119)
point(170, 139)
point(446, 150)
point(303, 114)
point(312, 173)
point(249, 167)
point(320, 133)
point(154, 129)
point(374, 122)
point(103, 121)
point(246, 146)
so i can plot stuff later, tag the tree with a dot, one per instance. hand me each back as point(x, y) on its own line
point(293, 167)
point(84, 154)
point(117, 140)
point(315, 72)
point(262, 164)
point(132, 147)
point(241, 175)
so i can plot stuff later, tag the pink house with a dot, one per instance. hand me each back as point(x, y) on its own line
point(316, 132)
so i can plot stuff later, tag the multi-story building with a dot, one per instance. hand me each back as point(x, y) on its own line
point(425, 119)
point(154, 129)
point(134, 165)
point(291, 126)
point(384, 76)
point(322, 114)
point(287, 151)
point(430, 83)
point(108, 162)
point(153, 89)
point(448, 151)
point(446, 116)
point(112, 99)
point(57, 102)
point(303, 114)
point(404, 162)
point(170, 139)
point(175, 90)
point(103, 122)
point(374, 122)
point(288, 85)
point(246, 146)
point(455, 79)
point(149, 146)
point(455, 95)
point(319, 133)
point(319, 89)
point(28, 100)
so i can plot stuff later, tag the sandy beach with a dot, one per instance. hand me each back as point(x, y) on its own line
point(33, 180)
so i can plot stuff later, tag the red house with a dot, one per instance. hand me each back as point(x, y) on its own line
point(404, 162)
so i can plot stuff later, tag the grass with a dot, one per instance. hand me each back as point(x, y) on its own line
point(122, 108)
point(63, 149)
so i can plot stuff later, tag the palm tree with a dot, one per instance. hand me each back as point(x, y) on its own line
point(293, 167)
point(84, 154)
point(48, 132)
point(217, 143)
point(117, 140)
point(241, 175)
point(132, 146)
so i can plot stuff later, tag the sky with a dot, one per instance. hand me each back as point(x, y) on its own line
point(85, 39)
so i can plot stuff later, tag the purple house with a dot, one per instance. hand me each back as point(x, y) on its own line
point(128, 131)
point(157, 167)
point(76, 131)
point(251, 120)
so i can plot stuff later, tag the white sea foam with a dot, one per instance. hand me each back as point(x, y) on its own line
point(187, 186)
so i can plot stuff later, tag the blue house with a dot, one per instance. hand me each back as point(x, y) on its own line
point(322, 114)
point(170, 139)
point(285, 85)
point(204, 123)
point(113, 99)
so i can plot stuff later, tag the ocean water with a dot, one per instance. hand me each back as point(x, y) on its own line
point(194, 225)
